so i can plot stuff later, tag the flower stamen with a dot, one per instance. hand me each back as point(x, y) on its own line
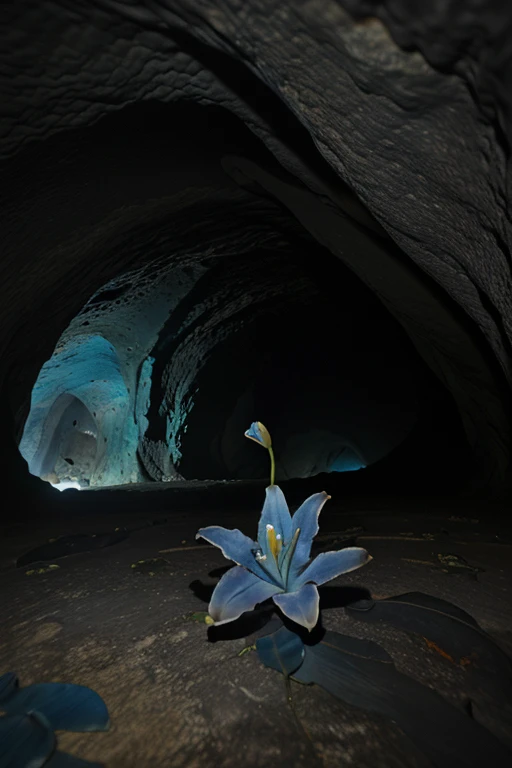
point(272, 539)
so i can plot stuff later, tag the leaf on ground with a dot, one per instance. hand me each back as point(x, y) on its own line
point(449, 627)
point(66, 707)
point(25, 740)
point(282, 650)
point(362, 674)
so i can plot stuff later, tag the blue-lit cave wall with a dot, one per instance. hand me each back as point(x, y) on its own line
point(101, 363)
point(161, 372)
point(81, 426)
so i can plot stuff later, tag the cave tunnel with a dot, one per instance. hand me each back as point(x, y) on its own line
point(169, 362)
point(241, 311)
point(223, 213)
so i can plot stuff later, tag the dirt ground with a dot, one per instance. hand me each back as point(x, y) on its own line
point(178, 695)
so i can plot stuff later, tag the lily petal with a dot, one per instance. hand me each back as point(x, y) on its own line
point(302, 606)
point(235, 546)
point(275, 512)
point(328, 565)
point(238, 591)
point(306, 518)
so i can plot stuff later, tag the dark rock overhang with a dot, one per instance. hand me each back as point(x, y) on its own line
point(392, 160)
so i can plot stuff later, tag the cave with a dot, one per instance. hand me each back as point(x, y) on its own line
point(225, 214)
point(169, 362)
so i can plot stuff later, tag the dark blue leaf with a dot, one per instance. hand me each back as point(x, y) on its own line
point(67, 707)
point(419, 600)
point(283, 650)
point(26, 741)
point(448, 626)
point(8, 685)
point(435, 604)
point(63, 760)
point(359, 674)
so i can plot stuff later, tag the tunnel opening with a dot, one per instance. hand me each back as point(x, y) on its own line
point(78, 404)
point(237, 312)
point(64, 451)
point(75, 444)
point(175, 359)
point(321, 362)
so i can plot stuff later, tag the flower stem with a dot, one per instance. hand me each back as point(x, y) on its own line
point(272, 466)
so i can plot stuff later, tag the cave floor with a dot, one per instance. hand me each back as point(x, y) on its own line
point(176, 699)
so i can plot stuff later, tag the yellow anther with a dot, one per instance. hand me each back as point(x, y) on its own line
point(272, 541)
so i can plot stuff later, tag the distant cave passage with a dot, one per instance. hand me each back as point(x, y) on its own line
point(166, 379)
point(77, 431)
point(68, 458)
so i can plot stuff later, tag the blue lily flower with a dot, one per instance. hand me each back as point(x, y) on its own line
point(278, 565)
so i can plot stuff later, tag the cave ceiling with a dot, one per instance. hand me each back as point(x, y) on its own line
point(222, 211)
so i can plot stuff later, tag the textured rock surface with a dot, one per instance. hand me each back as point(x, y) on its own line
point(395, 160)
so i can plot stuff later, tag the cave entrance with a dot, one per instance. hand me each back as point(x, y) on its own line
point(66, 454)
point(76, 454)
point(165, 368)
point(78, 430)
point(223, 308)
